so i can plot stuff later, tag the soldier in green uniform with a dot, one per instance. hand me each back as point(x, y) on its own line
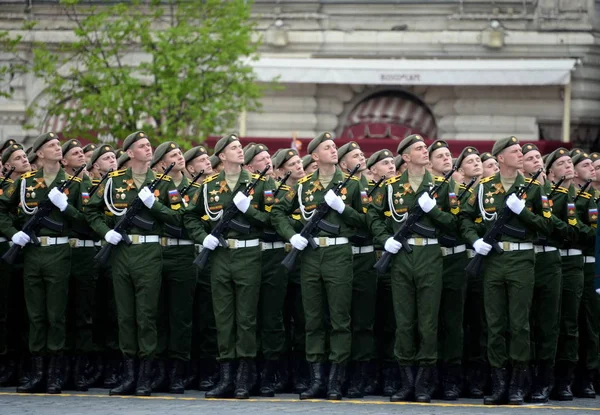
point(235, 269)
point(136, 268)
point(489, 164)
point(382, 164)
point(508, 278)
point(589, 312)
point(596, 194)
point(12, 307)
point(88, 150)
point(416, 282)
point(47, 266)
point(326, 273)
point(364, 282)
point(309, 165)
point(123, 162)
point(400, 165)
point(215, 164)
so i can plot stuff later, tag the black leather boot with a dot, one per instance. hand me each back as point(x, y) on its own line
point(372, 379)
point(586, 389)
point(499, 387)
point(516, 387)
point(542, 383)
point(144, 380)
point(111, 373)
point(282, 376)
point(176, 380)
point(79, 374)
point(337, 377)
point(316, 389)
point(564, 378)
point(54, 383)
point(8, 376)
point(127, 386)
point(451, 382)
point(267, 380)
point(191, 374)
point(406, 392)
point(357, 382)
point(65, 373)
point(391, 378)
point(476, 380)
point(96, 372)
point(425, 384)
point(301, 374)
point(35, 382)
point(208, 372)
point(158, 376)
point(225, 387)
point(245, 379)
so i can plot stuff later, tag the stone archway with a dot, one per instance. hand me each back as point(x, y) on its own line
point(389, 114)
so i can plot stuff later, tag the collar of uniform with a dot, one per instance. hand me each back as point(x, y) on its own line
point(150, 176)
point(427, 179)
point(60, 176)
point(245, 178)
point(184, 182)
point(364, 182)
point(338, 176)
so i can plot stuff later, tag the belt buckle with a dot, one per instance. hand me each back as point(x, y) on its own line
point(43, 240)
point(164, 241)
point(73, 243)
point(506, 246)
point(322, 241)
point(287, 247)
point(135, 239)
point(419, 241)
point(231, 243)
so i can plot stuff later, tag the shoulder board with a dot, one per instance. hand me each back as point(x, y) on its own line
point(163, 177)
point(6, 179)
point(256, 176)
point(392, 180)
point(373, 183)
point(486, 179)
point(585, 195)
point(195, 184)
point(117, 173)
point(528, 180)
point(28, 174)
point(285, 188)
point(95, 181)
point(560, 189)
point(305, 179)
point(346, 175)
point(210, 178)
point(438, 178)
point(75, 179)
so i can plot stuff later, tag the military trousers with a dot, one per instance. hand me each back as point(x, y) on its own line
point(508, 290)
point(273, 289)
point(293, 316)
point(545, 308)
point(417, 290)
point(474, 322)
point(136, 272)
point(176, 303)
point(589, 321)
point(46, 286)
point(452, 306)
point(82, 292)
point(204, 330)
point(235, 282)
point(106, 324)
point(326, 280)
point(572, 291)
point(364, 297)
point(5, 279)
point(385, 320)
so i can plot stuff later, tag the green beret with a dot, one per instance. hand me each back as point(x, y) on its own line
point(214, 161)
point(282, 156)
point(503, 143)
point(306, 161)
point(252, 151)
point(486, 156)
point(578, 155)
point(31, 156)
point(314, 143)
point(162, 150)
point(224, 142)
point(346, 148)
point(437, 144)
point(594, 157)
point(100, 151)
point(544, 158)
point(132, 138)
point(398, 161)
point(529, 147)
point(90, 147)
point(408, 141)
point(378, 156)
point(467, 151)
point(122, 160)
point(43, 139)
point(119, 152)
point(7, 152)
point(194, 152)
point(69, 145)
point(7, 144)
point(555, 155)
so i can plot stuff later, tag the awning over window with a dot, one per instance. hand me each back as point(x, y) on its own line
point(416, 71)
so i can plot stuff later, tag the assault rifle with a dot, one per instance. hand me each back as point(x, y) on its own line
point(499, 227)
point(411, 225)
point(95, 187)
point(227, 221)
point(270, 235)
point(316, 223)
point(187, 188)
point(176, 231)
point(6, 176)
point(361, 239)
point(582, 189)
point(466, 189)
point(40, 219)
point(130, 219)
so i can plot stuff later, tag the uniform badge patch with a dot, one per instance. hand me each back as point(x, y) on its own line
point(570, 209)
point(545, 203)
point(174, 196)
point(85, 198)
point(593, 214)
point(379, 199)
point(452, 199)
point(290, 195)
point(268, 195)
point(364, 197)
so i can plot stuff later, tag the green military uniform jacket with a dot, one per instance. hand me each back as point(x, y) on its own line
point(186, 191)
point(308, 194)
point(27, 192)
point(564, 218)
point(587, 213)
point(391, 207)
point(103, 208)
point(488, 200)
point(214, 196)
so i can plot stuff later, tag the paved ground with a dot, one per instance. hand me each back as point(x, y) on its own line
point(97, 402)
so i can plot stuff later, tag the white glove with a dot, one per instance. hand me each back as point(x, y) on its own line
point(426, 202)
point(299, 242)
point(58, 199)
point(598, 290)
point(210, 242)
point(482, 247)
point(392, 245)
point(147, 197)
point(21, 238)
point(515, 204)
point(334, 201)
point(242, 202)
point(113, 237)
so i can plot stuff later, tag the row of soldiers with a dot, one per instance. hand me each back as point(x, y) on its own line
point(330, 326)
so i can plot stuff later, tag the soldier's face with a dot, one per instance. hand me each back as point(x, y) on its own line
point(585, 170)
point(311, 168)
point(19, 161)
point(198, 164)
point(260, 161)
point(512, 157)
point(563, 166)
point(490, 167)
point(417, 155)
point(441, 160)
point(173, 156)
point(106, 162)
point(596, 165)
point(233, 153)
point(471, 166)
point(140, 151)
point(74, 159)
point(326, 153)
point(88, 157)
point(50, 151)
point(385, 167)
point(350, 160)
point(532, 161)
point(294, 165)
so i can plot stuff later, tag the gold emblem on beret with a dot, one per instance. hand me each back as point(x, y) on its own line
point(290, 153)
point(233, 137)
point(385, 153)
point(106, 148)
point(561, 151)
point(585, 155)
point(172, 145)
point(260, 147)
point(418, 137)
point(73, 142)
point(327, 135)
point(353, 144)
point(577, 151)
point(93, 147)
point(469, 150)
point(513, 139)
point(51, 134)
point(15, 146)
point(439, 143)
